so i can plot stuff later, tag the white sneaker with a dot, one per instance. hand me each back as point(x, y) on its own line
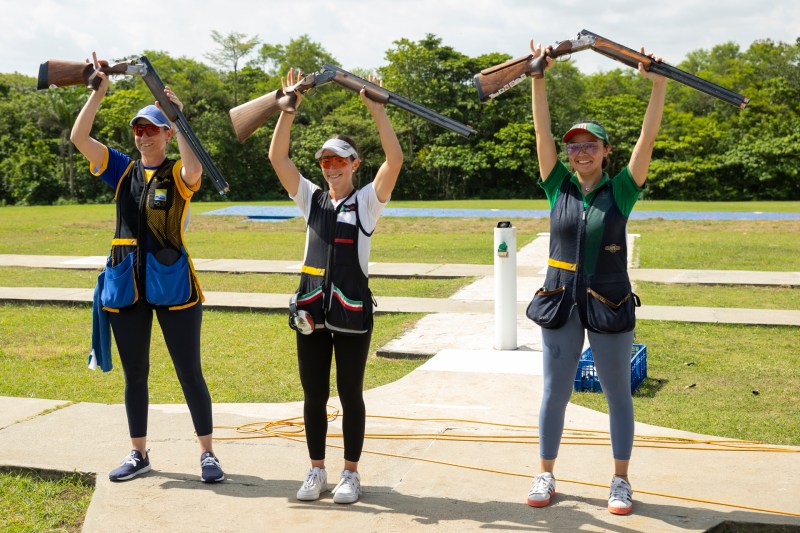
point(349, 488)
point(620, 498)
point(542, 489)
point(316, 482)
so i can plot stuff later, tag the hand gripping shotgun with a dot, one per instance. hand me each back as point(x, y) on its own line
point(56, 73)
point(494, 81)
point(249, 116)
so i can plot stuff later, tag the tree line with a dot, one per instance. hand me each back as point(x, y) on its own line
point(706, 149)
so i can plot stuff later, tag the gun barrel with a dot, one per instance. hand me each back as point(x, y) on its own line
point(156, 86)
point(632, 58)
point(379, 94)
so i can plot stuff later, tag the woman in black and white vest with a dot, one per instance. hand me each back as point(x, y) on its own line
point(332, 309)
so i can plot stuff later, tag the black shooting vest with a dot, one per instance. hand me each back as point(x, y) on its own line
point(333, 288)
point(569, 243)
point(150, 216)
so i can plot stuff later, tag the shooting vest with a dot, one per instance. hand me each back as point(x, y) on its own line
point(333, 288)
point(149, 234)
point(599, 286)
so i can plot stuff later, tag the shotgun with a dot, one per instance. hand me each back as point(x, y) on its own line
point(249, 116)
point(493, 81)
point(55, 73)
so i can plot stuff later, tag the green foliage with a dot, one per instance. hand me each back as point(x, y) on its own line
point(706, 149)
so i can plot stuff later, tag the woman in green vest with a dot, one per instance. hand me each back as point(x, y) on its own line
point(587, 290)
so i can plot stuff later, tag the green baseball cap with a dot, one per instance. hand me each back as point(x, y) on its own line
point(592, 127)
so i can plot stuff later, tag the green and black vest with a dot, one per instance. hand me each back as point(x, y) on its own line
point(597, 232)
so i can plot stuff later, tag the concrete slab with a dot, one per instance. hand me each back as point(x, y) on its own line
point(19, 409)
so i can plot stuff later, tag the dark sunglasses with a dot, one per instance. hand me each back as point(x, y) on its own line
point(590, 148)
point(140, 130)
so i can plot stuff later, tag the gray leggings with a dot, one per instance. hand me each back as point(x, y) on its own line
point(612, 358)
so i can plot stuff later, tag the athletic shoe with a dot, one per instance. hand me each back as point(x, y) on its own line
point(133, 465)
point(349, 488)
point(316, 482)
point(542, 489)
point(620, 499)
point(211, 469)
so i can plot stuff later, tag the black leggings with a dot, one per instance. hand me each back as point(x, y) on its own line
point(314, 354)
point(181, 331)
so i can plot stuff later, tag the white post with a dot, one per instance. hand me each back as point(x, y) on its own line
point(505, 287)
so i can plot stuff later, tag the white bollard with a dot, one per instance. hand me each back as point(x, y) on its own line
point(505, 287)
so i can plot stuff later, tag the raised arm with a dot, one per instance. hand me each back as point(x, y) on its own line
point(386, 178)
point(545, 144)
point(287, 172)
point(192, 169)
point(643, 151)
point(92, 149)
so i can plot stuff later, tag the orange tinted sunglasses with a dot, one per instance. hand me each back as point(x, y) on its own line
point(334, 161)
point(141, 130)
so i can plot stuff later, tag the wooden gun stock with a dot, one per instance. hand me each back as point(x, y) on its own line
point(56, 73)
point(496, 80)
point(249, 116)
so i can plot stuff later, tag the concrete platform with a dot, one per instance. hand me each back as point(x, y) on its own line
point(411, 484)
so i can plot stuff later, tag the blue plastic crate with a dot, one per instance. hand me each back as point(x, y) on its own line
point(586, 377)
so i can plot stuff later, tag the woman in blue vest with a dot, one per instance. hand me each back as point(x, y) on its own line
point(149, 269)
point(587, 288)
point(332, 310)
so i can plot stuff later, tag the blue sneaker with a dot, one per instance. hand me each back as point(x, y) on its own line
point(212, 471)
point(131, 466)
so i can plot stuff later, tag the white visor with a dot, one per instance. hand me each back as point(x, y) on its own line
point(339, 147)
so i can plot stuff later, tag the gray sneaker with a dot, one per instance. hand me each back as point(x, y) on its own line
point(349, 488)
point(316, 482)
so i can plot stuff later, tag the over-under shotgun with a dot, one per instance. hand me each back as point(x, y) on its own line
point(249, 116)
point(56, 73)
point(494, 81)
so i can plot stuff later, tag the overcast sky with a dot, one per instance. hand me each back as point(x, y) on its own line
point(358, 32)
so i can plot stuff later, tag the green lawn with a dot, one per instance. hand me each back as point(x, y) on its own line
point(33, 502)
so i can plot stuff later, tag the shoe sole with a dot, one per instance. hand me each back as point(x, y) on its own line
point(310, 497)
point(204, 480)
point(143, 470)
point(354, 500)
point(541, 503)
point(620, 510)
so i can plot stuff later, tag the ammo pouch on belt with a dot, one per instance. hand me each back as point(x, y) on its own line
point(119, 284)
point(607, 316)
point(346, 315)
point(550, 309)
point(168, 284)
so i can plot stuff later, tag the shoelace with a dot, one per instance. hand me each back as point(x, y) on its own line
point(541, 485)
point(310, 478)
point(621, 491)
point(131, 460)
point(348, 480)
point(210, 461)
